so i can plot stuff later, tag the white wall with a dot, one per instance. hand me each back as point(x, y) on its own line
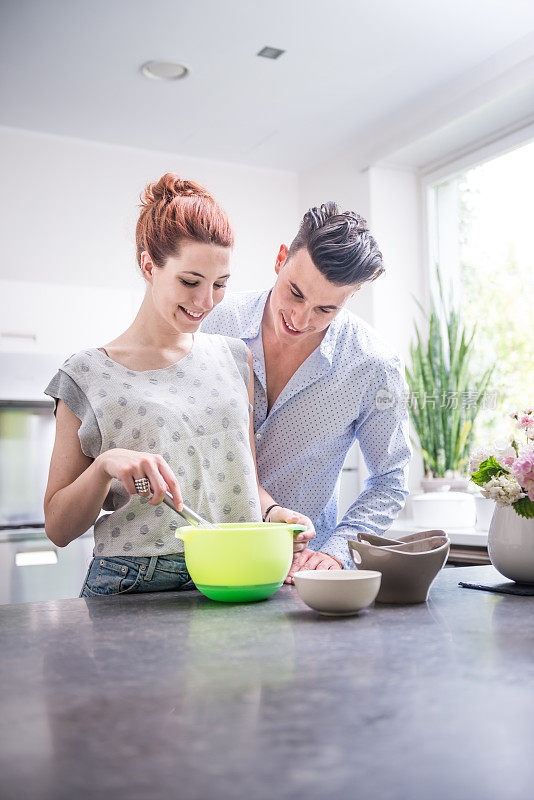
point(68, 210)
point(395, 218)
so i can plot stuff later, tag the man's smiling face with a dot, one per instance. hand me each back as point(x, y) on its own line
point(303, 302)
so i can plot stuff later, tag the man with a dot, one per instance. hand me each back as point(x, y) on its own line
point(323, 380)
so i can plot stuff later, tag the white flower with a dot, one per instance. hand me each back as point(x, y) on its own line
point(503, 449)
point(505, 490)
point(477, 457)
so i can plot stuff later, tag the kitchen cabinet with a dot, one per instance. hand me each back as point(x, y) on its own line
point(32, 568)
point(173, 695)
point(58, 318)
point(349, 481)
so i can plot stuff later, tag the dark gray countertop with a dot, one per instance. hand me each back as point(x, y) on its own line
point(175, 696)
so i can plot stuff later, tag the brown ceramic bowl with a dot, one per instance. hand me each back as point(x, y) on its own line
point(384, 541)
point(408, 569)
point(420, 545)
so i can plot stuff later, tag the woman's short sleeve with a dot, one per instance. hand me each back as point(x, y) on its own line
point(63, 387)
point(240, 352)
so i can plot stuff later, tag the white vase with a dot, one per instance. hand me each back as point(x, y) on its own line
point(511, 544)
point(485, 508)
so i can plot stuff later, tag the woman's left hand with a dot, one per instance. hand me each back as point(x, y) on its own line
point(300, 541)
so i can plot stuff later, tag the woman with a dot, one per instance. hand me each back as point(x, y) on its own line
point(162, 402)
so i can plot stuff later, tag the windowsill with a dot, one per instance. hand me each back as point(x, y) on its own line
point(462, 536)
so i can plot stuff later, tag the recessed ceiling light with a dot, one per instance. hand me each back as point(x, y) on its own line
point(270, 52)
point(164, 70)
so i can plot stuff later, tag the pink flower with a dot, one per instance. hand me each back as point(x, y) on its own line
point(507, 461)
point(526, 422)
point(523, 470)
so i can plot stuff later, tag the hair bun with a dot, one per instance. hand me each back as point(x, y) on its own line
point(169, 187)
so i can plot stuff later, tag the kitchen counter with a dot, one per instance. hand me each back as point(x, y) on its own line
point(175, 696)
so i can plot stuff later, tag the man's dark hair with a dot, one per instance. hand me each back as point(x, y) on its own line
point(339, 244)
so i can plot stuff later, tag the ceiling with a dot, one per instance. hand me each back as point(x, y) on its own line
point(72, 69)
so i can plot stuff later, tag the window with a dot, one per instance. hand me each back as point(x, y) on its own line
point(483, 240)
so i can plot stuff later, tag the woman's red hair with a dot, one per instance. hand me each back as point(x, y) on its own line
point(173, 211)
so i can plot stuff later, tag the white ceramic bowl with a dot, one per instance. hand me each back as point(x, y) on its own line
point(337, 592)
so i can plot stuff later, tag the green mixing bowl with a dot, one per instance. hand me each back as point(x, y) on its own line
point(239, 562)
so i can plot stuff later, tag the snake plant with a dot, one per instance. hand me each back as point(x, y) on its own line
point(445, 398)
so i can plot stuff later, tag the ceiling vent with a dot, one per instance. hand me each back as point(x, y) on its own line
point(270, 52)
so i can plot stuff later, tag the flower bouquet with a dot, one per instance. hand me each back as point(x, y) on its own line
point(505, 471)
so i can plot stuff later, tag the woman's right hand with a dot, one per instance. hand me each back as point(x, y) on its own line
point(129, 465)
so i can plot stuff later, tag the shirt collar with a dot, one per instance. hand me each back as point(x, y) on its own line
point(327, 346)
point(252, 329)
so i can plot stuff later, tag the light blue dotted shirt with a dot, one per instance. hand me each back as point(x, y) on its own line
point(350, 388)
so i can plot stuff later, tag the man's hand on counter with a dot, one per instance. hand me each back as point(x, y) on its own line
point(312, 559)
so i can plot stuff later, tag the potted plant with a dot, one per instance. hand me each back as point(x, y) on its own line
point(505, 473)
point(445, 397)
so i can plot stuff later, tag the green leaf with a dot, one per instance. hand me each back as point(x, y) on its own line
point(463, 438)
point(524, 507)
point(428, 460)
point(441, 380)
point(490, 468)
point(419, 305)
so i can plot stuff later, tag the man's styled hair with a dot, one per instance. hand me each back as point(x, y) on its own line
point(339, 244)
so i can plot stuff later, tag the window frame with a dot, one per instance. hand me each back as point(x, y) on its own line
point(455, 164)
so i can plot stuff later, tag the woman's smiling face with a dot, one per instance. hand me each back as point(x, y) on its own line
point(189, 285)
point(304, 302)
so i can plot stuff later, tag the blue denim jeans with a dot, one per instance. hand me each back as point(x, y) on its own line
point(131, 574)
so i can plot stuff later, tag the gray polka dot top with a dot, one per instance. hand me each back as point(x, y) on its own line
point(194, 413)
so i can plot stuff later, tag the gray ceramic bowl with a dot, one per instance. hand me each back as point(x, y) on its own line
point(408, 569)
